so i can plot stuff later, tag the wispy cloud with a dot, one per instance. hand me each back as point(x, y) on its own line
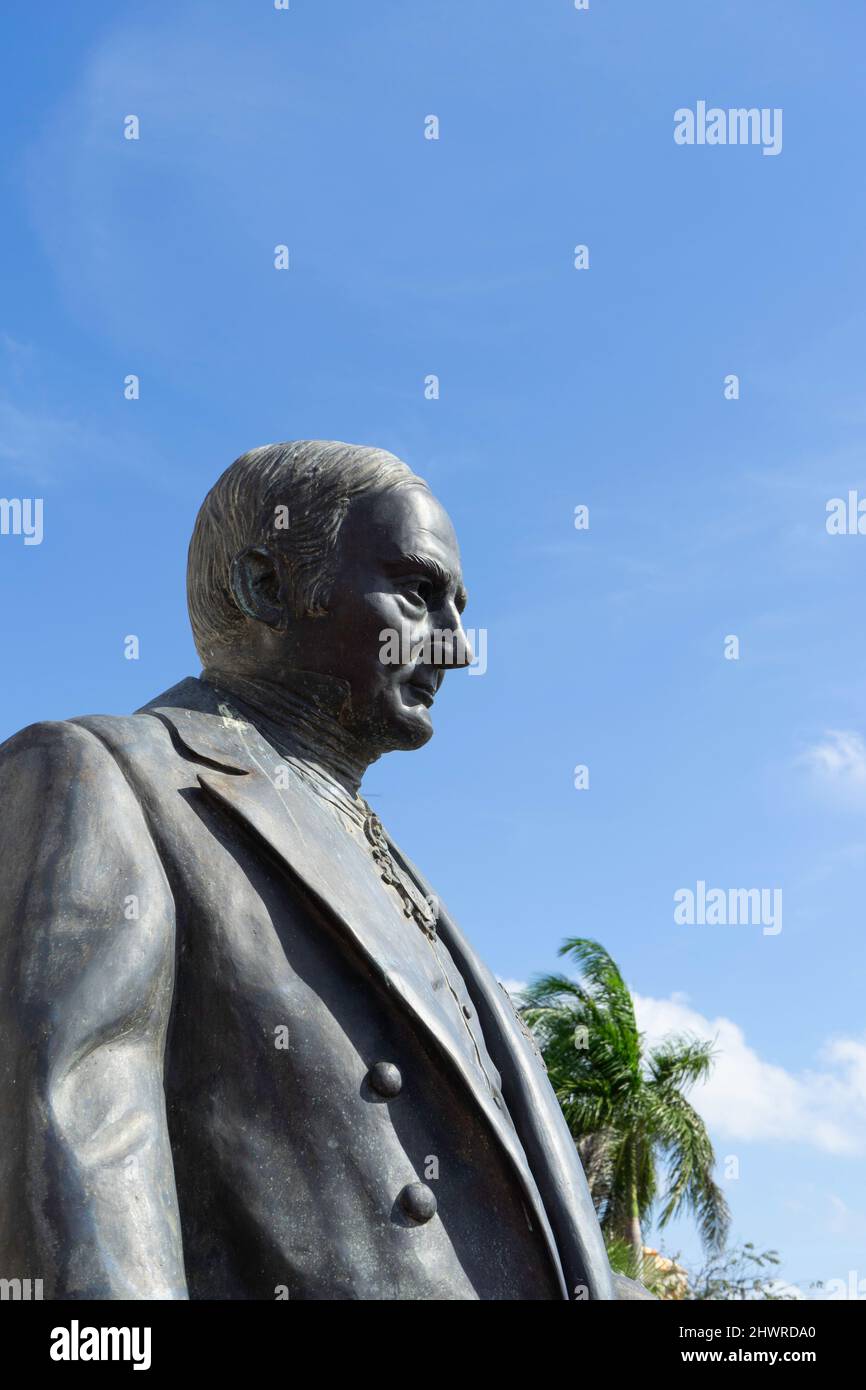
point(749, 1098)
point(46, 450)
point(837, 762)
point(13, 349)
point(35, 446)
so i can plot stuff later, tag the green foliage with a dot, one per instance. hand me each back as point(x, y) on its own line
point(646, 1269)
point(626, 1106)
point(739, 1273)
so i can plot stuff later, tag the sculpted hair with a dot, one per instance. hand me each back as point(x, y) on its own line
point(316, 480)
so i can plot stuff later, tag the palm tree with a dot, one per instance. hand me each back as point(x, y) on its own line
point(625, 1104)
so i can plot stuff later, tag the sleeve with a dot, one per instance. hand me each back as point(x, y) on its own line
point(87, 928)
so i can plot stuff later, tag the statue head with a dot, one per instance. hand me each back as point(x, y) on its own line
point(335, 559)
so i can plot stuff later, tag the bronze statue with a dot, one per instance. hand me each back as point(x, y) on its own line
point(245, 1052)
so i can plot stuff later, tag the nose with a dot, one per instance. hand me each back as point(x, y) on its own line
point(451, 648)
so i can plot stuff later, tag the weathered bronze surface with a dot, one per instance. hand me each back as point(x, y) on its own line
point(246, 1052)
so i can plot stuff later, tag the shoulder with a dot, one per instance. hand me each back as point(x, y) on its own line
point(51, 742)
point(90, 736)
point(127, 734)
point(70, 749)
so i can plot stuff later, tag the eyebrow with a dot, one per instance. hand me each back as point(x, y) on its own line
point(441, 577)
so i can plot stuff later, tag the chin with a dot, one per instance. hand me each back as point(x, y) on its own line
point(420, 733)
point(406, 729)
point(393, 726)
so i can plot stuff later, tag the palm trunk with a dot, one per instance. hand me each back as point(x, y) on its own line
point(594, 1151)
point(633, 1233)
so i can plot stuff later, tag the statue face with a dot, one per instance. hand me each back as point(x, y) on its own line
point(398, 573)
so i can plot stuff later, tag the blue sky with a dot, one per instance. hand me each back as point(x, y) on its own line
point(558, 387)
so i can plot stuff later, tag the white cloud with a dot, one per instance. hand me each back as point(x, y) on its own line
point(838, 761)
point(749, 1098)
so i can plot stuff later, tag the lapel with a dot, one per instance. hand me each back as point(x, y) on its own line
point(245, 775)
point(543, 1131)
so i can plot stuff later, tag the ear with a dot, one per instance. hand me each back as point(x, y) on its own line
point(255, 584)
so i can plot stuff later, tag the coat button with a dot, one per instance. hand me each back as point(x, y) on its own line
point(418, 1202)
point(385, 1080)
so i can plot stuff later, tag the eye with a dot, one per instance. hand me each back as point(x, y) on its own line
point(419, 589)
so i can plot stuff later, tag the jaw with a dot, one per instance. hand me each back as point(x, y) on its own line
point(394, 721)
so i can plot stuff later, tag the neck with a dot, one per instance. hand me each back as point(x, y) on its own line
point(303, 715)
